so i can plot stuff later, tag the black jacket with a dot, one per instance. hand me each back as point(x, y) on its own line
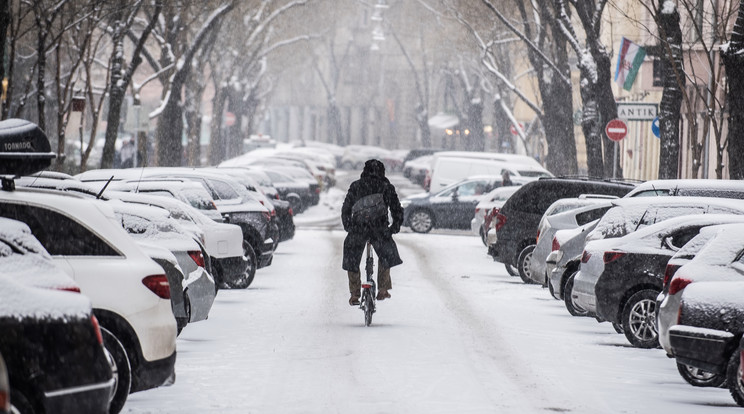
point(378, 232)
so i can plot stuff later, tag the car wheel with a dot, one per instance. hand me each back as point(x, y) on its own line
point(247, 278)
point(483, 237)
point(511, 270)
point(19, 404)
point(733, 377)
point(121, 369)
point(639, 319)
point(524, 260)
point(551, 290)
point(421, 221)
point(618, 327)
point(699, 378)
point(572, 308)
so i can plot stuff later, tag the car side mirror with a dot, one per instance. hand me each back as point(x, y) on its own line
point(455, 196)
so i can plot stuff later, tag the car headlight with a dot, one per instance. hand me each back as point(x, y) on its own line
point(405, 203)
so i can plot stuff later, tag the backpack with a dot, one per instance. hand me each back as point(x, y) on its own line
point(369, 208)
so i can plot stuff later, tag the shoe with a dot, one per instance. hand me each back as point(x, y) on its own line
point(383, 294)
point(354, 301)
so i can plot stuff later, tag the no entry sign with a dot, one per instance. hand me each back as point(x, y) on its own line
point(616, 130)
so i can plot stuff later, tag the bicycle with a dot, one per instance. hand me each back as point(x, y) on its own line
point(367, 304)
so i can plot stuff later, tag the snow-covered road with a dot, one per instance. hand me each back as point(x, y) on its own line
point(458, 336)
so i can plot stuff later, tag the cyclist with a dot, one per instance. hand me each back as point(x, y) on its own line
point(365, 218)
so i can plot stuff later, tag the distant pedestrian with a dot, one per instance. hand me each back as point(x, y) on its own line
point(126, 154)
point(505, 179)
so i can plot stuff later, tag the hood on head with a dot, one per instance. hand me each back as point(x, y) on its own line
point(373, 167)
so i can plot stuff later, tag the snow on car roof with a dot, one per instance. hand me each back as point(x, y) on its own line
point(18, 300)
point(702, 184)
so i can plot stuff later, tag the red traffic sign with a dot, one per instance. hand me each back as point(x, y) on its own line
point(616, 130)
point(514, 130)
point(229, 119)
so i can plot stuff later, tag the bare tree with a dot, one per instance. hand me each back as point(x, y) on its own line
point(733, 59)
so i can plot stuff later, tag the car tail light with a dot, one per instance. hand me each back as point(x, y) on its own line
point(290, 211)
point(500, 221)
point(585, 256)
point(317, 190)
point(669, 272)
point(537, 237)
point(273, 212)
point(74, 289)
point(4, 397)
point(477, 210)
point(158, 284)
point(612, 256)
point(555, 246)
point(677, 284)
point(276, 196)
point(427, 181)
point(266, 215)
point(197, 256)
point(97, 328)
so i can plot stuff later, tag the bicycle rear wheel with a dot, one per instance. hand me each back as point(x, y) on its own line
point(368, 304)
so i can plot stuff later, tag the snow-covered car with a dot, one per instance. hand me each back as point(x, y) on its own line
point(418, 169)
point(129, 292)
point(625, 217)
point(563, 261)
point(187, 191)
point(716, 257)
point(221, 241)
point(705, 337)
point(153, 225)
point(566, 213)
point(690, 188)
point(51, 342)
point(355, 156)
point(487, 208)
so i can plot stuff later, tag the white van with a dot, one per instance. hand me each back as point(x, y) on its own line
point(452, 166)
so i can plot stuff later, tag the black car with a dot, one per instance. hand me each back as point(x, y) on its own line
point(297, 193)
point(517, 220)
point(50, 339)
point(451, 208)
point(709, 331)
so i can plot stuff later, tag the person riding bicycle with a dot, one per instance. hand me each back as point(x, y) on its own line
point(365, 218)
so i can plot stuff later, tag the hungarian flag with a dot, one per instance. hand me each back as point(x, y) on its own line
point(628, 62)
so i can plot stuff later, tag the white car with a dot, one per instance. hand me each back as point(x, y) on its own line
point(153, 225)
point(128, 291)
point(222, 241)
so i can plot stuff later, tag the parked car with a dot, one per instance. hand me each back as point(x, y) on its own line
point(54, 359)
point(487, 207)
point(153, 225)
point(565, 213)
point(515, 226)
point(448, 167)
point(418, 169)
point(711, 257)
point(690, 188)
point(709, 330)
point(221, 241)
point(191, 193)
point(451, 208)
point(632, 271)
point(4, 388)
point(129, 292)
point(355, 156)
point(563, 262)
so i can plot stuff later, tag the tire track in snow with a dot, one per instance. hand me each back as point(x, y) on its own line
point(483, 329)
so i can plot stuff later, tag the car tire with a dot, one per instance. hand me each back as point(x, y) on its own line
point(249, 254)
point(421, 221)
point(122, 370)
point(699, 378)
point(523, 264)
point(618, 327)
point(571, 307)
point(511, 270)
point(483, 237)
point(639, 319)
point(733, 378)
point(19, 404)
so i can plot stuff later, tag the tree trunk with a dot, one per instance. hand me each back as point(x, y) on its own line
point(671, 99)
point(504, 138)
point(590, 125)
point(475, 139)
point(217, 148)
point(733, 60)
point(607, 110)
point(422, 117)
point(170, 131)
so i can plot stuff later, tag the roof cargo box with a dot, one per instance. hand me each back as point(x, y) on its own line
point(24, 148)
